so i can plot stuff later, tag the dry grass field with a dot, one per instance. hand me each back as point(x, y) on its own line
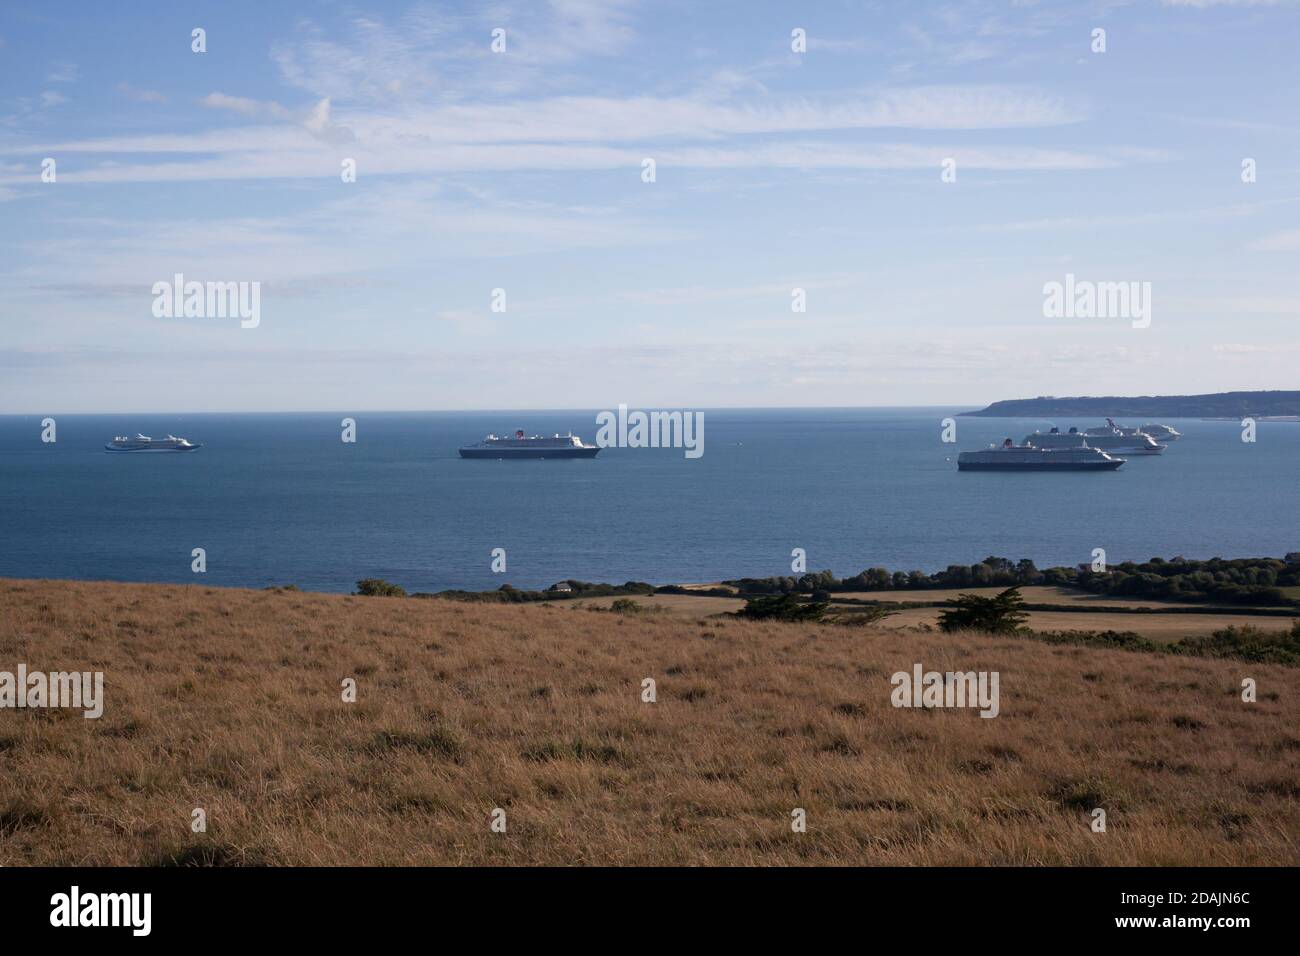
point(230, 701)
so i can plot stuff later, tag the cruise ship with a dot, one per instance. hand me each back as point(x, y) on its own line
point(1011, 457)
point(567, 445)
point(1165, 433)
point(1108, 440)
point(1158, 433)
point(145, 443)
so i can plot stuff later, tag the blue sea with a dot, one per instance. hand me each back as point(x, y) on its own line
point(279, 499)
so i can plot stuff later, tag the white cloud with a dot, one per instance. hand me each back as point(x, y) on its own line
point(318, 124)
point(375, 61)
point(140, 95)
point(305, 158)
point(595, 132)
point(428, 50)
point(244, 106)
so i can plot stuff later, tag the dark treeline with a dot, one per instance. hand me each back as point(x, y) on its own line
point(564, 590)
point(1256, 581)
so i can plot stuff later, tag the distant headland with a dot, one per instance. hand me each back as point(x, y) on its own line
point(1214, 405)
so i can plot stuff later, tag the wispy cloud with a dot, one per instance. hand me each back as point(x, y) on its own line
point(63, 73)
point(594, 132)
point(140, 95)
point(244, 106)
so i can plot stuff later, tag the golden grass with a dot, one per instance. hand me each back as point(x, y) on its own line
point(230, 701)
point(690, 606)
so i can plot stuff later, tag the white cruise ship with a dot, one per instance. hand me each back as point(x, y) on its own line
point(1108, 440)
point(146, 444)
point(1158, 433)
point(1010, 457)
point(1165, 433)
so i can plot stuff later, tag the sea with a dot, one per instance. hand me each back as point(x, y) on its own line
point(279, 499)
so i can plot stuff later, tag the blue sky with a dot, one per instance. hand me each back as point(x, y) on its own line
point(522, 171)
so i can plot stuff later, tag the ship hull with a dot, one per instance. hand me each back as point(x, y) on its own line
point(1128, 449)
point(502, 453)
point(150, 451)
point(1039, 466)
point(1109, 445)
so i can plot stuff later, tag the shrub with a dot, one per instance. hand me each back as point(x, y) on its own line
point(1110, 640)
point(869, 614)
point(627, 606)
point(1246, 643)
point(378, 587)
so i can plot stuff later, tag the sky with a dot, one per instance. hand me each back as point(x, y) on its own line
point(920, 170)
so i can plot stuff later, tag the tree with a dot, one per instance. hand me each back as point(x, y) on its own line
point(1003, 614)
point(1026, 573)
point(784, 607)
point(818, 581)
point(876, 579)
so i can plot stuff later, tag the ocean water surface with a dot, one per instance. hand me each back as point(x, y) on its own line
point(280, 499)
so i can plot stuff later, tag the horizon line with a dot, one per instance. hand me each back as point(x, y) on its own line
point(424, 411)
